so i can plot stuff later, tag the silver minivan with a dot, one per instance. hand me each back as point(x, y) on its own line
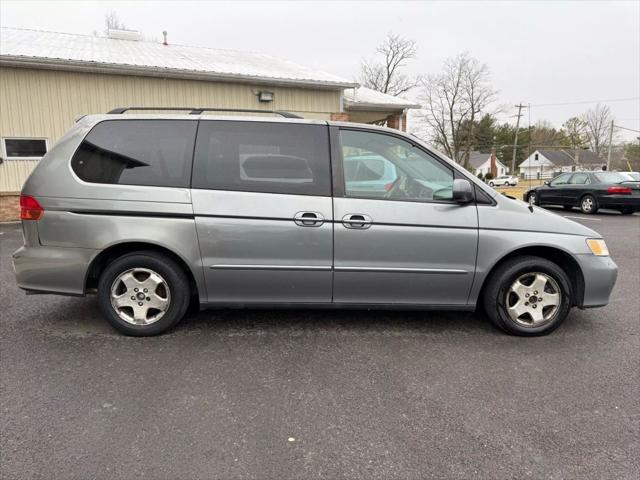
point(159, 214)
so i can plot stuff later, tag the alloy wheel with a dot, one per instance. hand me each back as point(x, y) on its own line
point(587, 204)
point(140, 296)
point(533, 299)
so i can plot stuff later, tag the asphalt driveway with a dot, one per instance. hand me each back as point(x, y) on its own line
point(316, 394)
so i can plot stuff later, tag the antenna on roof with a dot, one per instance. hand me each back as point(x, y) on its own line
point(164, 34)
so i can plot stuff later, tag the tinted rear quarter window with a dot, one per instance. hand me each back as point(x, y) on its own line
point(137, 152)
point(262, 157)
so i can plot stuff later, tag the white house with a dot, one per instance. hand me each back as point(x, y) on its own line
point(481, 163)
point(549, 163)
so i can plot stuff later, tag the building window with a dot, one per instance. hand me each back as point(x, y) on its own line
point(24, 148)
point(536, 156)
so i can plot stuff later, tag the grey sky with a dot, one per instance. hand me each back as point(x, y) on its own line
point(538, 52)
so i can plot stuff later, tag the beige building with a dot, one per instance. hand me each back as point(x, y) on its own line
point(48, 79)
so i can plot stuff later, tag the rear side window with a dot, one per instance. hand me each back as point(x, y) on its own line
point(137, 152)
point(262, 157)
point(579, 179)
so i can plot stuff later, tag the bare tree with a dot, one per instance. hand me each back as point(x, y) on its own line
point(112, 22)
point(598, 122)
point(386, 76)
point(453, 101)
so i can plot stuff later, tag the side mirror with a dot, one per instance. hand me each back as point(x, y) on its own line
point(547, 183)
point(462, 191)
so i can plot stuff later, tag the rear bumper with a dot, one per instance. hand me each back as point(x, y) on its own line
point(52, 269)
point(619, 201)
point(600, 275)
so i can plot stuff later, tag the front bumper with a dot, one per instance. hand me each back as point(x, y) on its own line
point(600, 275)
point(52, 269)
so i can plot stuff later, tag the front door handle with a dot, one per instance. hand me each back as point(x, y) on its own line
point(357, 220)
point(308, 219)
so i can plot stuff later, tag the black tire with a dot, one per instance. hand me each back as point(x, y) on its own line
point(173, 275)
point(626, 211)
point(567, 207)
point(491, 184)
point(586, 200)
point(499, 283)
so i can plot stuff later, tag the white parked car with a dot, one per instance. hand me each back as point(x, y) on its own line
point(503, 181)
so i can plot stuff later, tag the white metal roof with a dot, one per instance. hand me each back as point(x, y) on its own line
point(22, 47)
point(366, 98)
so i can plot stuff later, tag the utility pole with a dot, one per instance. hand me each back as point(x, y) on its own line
point(609, 154)
point(515, 140)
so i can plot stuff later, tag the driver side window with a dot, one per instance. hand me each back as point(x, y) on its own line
point(561, 180)
point(382, 166)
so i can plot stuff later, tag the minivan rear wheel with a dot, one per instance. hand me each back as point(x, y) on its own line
point(143, 293)
point(528, 296)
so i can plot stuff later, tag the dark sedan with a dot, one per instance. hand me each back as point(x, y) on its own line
point(589, 191)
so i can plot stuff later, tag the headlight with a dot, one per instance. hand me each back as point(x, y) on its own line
point(598, 247)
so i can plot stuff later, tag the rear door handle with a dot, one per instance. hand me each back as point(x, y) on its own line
point(308, 219)
point(357, 220)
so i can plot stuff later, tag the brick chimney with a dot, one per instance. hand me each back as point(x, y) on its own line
point(494, 167)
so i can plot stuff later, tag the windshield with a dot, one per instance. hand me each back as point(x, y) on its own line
point(611, 177)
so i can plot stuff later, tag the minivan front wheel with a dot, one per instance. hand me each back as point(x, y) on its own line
point(528, 296)
point(143, 293)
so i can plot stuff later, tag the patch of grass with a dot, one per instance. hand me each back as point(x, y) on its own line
point(519, 190)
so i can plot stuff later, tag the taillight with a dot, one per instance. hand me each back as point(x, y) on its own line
point(619, 190)
point(30, 209)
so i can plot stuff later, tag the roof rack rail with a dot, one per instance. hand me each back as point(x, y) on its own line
point(198, 110)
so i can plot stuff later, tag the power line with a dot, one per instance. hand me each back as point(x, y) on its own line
point(625, 128)
point(609, 100)
point(488, 146)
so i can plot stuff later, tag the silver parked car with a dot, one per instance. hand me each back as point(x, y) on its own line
point(504, 181)
point(157, 214)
